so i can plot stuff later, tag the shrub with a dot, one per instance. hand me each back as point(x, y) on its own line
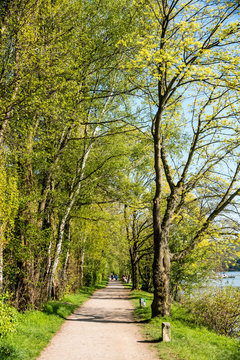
point(218, 309)
point(8, 316)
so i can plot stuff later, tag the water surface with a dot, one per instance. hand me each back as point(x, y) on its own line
point(229, 281)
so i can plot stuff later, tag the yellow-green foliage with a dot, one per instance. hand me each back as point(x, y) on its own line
point(169, 47)
point(8, 197)
point(8, 317)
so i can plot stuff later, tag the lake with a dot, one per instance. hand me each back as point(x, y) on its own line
point(225, 281)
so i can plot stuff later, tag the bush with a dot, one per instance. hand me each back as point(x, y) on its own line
point(8, 316)
point(218, 309)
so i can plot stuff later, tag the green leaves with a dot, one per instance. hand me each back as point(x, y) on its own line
point(8, 317)
point(218, 309)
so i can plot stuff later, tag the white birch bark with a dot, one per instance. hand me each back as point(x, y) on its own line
point(73, 198)
point(67, 255)
point(82, 266)
point(49, 256)
point(82, 258)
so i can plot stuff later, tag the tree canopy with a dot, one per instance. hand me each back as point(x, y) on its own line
point(119, 144)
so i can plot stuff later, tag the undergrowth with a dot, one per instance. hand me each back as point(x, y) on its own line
point(189, 341)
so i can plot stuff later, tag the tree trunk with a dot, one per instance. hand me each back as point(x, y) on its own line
point(64, 276)
point(135, 271)
point(161, 305)
point(57, 254)
point(81, 266)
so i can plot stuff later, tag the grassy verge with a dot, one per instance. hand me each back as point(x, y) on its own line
point(189, 341)
point(36, 328)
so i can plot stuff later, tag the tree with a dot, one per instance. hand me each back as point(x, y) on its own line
point(187, 56)
point(60, 108)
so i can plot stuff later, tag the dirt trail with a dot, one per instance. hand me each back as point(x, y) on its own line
point(101, 329)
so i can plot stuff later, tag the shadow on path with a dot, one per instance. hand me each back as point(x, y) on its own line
point(110, 311)
point(87, 334)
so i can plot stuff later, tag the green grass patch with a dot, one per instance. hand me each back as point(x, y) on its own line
point(36, 328)
point(189, 341)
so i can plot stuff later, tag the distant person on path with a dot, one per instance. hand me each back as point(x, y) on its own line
point(111, 276)
point(116, 277)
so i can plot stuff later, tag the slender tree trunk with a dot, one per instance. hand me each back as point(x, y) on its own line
point(58, 252)
point(132, 248)
point(135, 270)
point(67, 255)
point(135, 274)
point(81, 266)
point(49, 257)
point(135, 253)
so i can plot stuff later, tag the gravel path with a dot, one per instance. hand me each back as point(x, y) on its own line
point(101, 329)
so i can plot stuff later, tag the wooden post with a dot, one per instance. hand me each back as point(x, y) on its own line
point(166, 331)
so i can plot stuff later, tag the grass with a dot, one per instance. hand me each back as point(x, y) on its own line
point(188, 341)
point(36, 328)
